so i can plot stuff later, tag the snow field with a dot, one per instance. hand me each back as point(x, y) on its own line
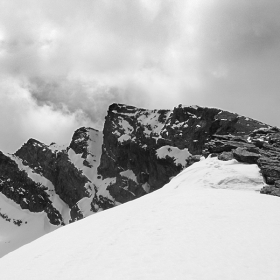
point(12, 236)
point(199, 226)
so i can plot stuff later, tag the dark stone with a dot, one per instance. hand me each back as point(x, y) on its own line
point(271, 190)
point(75, 214)
point(225, 156)
point(243, 155)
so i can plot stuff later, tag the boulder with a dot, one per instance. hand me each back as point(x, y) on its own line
point(225, 156)
point(243, 155)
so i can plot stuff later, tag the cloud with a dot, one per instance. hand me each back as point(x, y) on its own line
point(21, 118)
point(76, 56)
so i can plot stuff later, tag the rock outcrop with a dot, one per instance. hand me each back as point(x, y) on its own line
point(261, 146)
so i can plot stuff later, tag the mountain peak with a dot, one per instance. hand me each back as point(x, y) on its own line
point(139, 151)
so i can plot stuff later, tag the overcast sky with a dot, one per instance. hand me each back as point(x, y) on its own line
point(62, 62)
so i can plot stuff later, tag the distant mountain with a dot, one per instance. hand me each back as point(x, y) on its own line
point(209, 222)
point(43, 187)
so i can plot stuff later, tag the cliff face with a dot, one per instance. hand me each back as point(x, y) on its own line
point(54, 164)
point(28, 194)
point(143, 149)
point(138, 152)
point(48, 178)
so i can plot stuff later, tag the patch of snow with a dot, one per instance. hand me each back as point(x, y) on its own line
point(193, 106)
point(76, 159)
point(57, 148)
point(179, 156)
point(125, 126)
point(151, 119)
point(146, 187)
point(264, 129)
point(125, 114)
point(214, 173)
point(123, 138)
point(102, 185)
point(129, 174)
point(85, 206)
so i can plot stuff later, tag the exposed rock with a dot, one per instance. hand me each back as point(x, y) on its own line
point(75, 214)
point(225, 156)
point(80, 143)
point(277, 184)
point(261, 146)
point(16, 185)
point(243, 155)
point(271, 190)
point(55, 165)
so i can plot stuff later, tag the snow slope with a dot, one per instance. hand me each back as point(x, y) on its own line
point(13, 234)
point(207, 223)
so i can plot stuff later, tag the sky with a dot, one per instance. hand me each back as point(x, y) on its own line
point(63, 62)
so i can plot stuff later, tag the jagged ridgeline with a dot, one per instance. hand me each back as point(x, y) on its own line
point(137, 152)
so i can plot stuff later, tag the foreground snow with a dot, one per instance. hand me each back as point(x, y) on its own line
point(195, 227)
point(18, 226)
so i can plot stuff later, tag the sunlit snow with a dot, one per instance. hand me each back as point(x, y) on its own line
point(129, 174)
point(179, 156)
point(12, 236)
point(207, 223)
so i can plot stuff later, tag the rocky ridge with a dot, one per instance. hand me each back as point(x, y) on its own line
point(138, 152)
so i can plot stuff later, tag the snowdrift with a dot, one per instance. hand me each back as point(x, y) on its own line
point(207, 223)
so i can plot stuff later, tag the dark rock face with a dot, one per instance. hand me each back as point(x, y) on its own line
point(133, 139)
point(80, 143)
point(16, 185)
point(70, 184)
point(68, 181)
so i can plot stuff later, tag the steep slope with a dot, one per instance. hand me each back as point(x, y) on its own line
point(199, 226)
